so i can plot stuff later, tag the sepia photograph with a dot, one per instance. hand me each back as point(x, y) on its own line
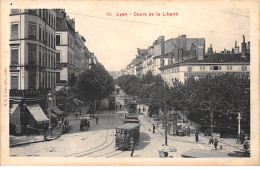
point(130, 82)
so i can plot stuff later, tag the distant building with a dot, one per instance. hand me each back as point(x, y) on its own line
point(167, 52)
point(208, 64)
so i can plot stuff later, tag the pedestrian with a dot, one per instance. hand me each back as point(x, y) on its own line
point(197, 136)
point(27, 131)
point(59, 123)
point(211, 141)
point(143, 108)
point(216, 143)
point(188, 130)
point(79, 111)
point(132, 146)
point(44, 135)
point(120, 106)
point(76, 114)
point(153, 128)
point(97, 120)
point(246, 144)
point(139, 110)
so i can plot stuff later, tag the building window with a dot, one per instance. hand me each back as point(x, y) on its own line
point(244, 68)
point(202, 68)
point(14, 56)
point(40, 58)
point(49, 39)
point(189, 69)
point(14, 31)
point(57, 77)
point(216, 68)
point(14, 82)
point(32, 30)
point(58, 57)
point(15, 11)
point(229, 67)
point(41, 80)
point(40, 34)
point(57, 39)
point(32, 54)
point(32, 11)
point(31, 80)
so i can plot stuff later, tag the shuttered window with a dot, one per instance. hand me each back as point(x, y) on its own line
point(14, 56)
point(14, 82)
point(14, 31)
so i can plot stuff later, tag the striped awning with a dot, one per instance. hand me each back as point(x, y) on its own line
point(37, 113)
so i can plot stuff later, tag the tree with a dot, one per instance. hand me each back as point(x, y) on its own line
point(95, 83)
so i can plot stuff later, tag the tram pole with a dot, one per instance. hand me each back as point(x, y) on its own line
point(165, 119)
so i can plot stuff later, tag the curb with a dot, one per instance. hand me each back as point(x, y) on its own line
point(38, 141)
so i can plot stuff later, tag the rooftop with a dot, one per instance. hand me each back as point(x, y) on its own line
point(215, 58)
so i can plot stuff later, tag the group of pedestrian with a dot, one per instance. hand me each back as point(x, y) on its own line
point(213, 142)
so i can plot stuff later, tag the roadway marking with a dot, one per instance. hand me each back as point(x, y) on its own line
point(201, 146)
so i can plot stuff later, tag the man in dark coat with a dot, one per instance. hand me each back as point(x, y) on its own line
point(215, 143)
point(197, 136)
point(153, 128)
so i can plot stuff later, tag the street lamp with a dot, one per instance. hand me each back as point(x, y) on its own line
point(49, 105)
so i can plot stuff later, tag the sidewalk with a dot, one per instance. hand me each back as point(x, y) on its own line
point(23, 140)
point(228, 144)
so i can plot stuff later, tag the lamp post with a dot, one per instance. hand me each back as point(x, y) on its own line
point(49, 105)
point(65, 105)
point(238, 129)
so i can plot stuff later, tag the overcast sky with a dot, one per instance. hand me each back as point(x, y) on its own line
point(115, 40)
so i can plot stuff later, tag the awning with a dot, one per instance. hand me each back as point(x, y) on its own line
point(58, 88)
point(12, 109)
point(37, 113)
point(57, 111)
point(54, 115)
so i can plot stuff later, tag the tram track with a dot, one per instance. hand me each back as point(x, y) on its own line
point(82, 153)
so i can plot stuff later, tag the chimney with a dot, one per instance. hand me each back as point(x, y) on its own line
point(200, 52)
point(248, 48)
point(243, 48)
point(210, 50)
point(68, 18)
point(180, 54)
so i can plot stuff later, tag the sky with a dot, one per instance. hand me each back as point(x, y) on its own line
point(115, 39)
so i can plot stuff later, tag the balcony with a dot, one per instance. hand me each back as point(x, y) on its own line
point(28, 93)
